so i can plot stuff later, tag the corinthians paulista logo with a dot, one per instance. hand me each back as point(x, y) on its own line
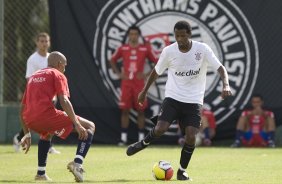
point(220, 24)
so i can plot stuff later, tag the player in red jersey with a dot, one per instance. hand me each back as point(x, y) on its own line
point(38, 114)
point(133, 56)
point(256, 126)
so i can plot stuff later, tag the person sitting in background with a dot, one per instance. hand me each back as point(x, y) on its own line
point(207, 129)
point(256, 126)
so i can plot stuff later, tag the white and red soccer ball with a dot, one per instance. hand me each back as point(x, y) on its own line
point(162, 170)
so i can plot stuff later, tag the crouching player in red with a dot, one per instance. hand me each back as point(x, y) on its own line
point(38, 114)
point(255, 127)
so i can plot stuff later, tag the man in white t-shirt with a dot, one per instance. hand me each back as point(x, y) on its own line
point(186, 61)
point(36, 61)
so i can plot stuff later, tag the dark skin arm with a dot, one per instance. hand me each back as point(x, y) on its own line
point(224, 77)
point(152, 78)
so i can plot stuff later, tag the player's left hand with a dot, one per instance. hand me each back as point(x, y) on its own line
point(226, 91)
point(141, 97)
point(82, 132)
point(26, 142)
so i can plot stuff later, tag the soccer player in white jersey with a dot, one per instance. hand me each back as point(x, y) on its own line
point(37, 61)
point(186, 61)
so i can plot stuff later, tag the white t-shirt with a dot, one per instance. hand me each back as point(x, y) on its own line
point(186, 71)
point(35, 62)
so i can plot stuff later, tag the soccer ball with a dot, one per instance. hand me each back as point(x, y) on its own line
point(162, 170)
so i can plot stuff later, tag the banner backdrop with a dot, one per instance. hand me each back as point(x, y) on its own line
point(245, 36)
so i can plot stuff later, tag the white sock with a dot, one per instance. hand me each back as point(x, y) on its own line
point(41, 168)
point(180, 168)
point(124, 137)
point(141, 136)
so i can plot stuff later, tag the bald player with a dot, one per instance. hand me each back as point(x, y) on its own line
point(38, 114)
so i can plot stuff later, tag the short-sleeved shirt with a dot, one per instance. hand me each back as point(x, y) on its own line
point(133, 59)
point(42, 86)
point(186, 71)
point(35, 62)
point(257, 122)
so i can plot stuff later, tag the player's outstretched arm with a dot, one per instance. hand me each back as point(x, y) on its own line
point(224, 77)
point(26, 140)
point(142, 95)
point(67, 107)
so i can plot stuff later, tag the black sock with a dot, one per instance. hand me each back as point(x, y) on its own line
point(271, 136)
point(150, 137)
point(141, 130)
point(239, 135)
point(20, 136)
point(207, 133)
point(124, 130)
point(82, 149)
point(186, 155)
point(43, 148)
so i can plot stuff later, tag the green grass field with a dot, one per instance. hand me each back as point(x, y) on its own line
point(109, 164)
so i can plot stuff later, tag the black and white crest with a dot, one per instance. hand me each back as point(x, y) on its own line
point(220, 24)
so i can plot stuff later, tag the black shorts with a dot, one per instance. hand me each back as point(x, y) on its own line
point(187, 114)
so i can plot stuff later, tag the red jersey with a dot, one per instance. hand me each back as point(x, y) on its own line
point(211, 119)
point(133, 59)
point(257, 122)
point(42, 86)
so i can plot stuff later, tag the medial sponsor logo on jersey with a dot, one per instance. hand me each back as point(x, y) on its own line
point(188, 73)
point(220, 24)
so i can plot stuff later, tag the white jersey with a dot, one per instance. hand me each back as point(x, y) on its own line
point(186, 71)
point(35, 62)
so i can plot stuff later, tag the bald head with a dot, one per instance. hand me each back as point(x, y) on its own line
point(57, 60)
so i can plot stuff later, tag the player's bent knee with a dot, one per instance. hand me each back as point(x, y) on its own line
point(160, 130)
point(91, 127)
point(190, 138)
point(91, 131)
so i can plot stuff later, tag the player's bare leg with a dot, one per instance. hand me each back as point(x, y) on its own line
point(141, 125)
point(124, 127)
point(75, 166)
point(206, 131)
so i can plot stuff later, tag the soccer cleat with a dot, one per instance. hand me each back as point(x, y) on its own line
point(76, 170)
point(43, 177)
point(134, 148)
point(207, 142)
point(271, 144)
point(182, 175)
point(121, 143)
point(16, 143)
point(236, 144)
point(52, 150)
